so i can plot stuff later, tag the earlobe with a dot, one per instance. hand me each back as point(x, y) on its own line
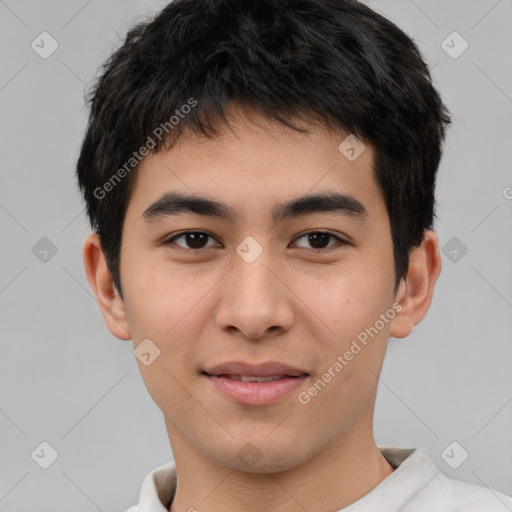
point(416, 290)
point(101, 282)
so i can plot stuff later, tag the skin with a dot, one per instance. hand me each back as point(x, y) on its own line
point(290, 305)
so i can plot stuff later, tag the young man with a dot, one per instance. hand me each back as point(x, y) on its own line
point(260, 177)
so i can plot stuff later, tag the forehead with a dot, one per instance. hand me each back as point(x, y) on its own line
point(256, 164)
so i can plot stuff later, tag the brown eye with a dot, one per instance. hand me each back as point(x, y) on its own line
point(319, 240)
point(194, 240)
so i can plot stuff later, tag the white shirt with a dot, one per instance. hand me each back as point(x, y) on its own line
point(416, 485)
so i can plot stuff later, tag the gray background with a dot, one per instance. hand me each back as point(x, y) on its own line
point(66, 380)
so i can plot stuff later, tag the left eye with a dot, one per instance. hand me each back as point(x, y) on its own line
point(196, 239)
point(319, 238)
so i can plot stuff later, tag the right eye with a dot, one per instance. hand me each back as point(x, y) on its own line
point(194, 239)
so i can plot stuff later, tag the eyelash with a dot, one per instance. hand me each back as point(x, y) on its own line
point(169, 241)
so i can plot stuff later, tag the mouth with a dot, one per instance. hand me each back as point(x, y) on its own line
point(254, 378)
point(262, 384)
point(271, 369)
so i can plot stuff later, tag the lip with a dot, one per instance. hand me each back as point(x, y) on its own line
point(255, 393)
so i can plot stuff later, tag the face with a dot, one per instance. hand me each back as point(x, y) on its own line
point(299, 289)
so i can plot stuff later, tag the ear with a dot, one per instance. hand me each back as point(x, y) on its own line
point(416, 290)
point(101, 282)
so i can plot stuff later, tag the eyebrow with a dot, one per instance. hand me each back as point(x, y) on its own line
point(174, 203)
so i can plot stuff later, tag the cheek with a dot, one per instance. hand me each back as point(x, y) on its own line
point(348, 303)
point(158, 298)
point(170, 309)
point(353, 355)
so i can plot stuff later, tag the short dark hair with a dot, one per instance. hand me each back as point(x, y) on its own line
point(336, 62)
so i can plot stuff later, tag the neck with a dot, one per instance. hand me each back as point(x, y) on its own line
point(332, 480)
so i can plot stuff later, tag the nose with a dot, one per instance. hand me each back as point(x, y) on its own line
point(255, 300)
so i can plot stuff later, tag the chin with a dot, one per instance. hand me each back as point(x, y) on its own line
point(251, 459)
